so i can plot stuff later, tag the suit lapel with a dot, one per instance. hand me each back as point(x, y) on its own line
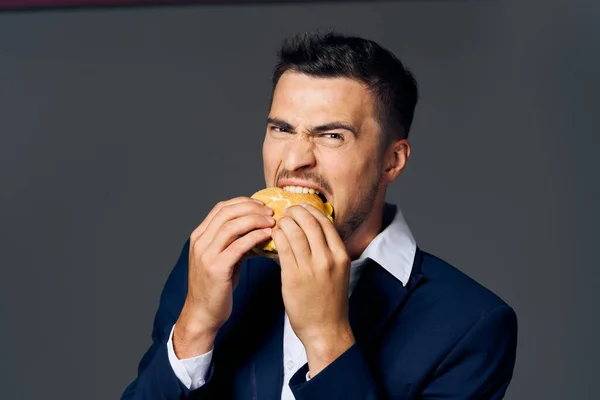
point(266, 370)
point(375, 298)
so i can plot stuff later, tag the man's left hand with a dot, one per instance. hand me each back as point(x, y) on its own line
point(315, 271)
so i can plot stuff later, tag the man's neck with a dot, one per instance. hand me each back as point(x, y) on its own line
point(365, 234)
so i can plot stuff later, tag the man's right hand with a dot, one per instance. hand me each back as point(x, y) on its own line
point(217, 246)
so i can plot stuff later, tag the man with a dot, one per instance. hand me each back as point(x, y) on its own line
point(352, 309)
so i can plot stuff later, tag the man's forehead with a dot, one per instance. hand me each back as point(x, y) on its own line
point(321, 98)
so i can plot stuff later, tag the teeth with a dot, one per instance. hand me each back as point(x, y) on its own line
point(300, 189)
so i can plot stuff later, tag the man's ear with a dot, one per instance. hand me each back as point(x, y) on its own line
point(395, 159)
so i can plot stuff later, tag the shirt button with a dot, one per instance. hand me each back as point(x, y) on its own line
point(290, 365)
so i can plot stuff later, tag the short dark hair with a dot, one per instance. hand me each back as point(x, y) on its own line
point(330, 54)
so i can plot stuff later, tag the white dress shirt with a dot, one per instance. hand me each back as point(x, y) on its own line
point(393, 249)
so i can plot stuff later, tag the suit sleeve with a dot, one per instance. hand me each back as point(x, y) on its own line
point(348, 377)
point(156, 379)
point(479, 366)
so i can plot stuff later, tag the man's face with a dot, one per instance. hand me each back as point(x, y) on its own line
point(322, 134)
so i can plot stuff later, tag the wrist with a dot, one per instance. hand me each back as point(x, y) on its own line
point(192, 338)
point(325, 348)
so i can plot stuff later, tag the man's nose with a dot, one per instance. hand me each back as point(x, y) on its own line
point(300, 154)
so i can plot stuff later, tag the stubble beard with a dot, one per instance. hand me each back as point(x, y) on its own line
point(358, 214)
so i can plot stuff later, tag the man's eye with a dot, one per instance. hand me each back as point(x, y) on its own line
point(279, 129)
point(335, 136)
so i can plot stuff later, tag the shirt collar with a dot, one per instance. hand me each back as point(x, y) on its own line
point(394, 248)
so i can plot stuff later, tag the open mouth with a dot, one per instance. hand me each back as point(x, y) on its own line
point(301, 189)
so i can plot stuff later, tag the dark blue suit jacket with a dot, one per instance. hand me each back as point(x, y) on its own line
point(443, 336)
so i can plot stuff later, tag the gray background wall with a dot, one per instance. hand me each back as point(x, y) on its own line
point(120, 128)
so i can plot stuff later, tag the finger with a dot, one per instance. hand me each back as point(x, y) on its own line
point(202, 227)
point(248, 255)
point(331, 234)
point(287, 259)
point(311, 227)
point(230, 212)
point(237, 227)
point(235, 278)
point(297, 240)
point(236, 250)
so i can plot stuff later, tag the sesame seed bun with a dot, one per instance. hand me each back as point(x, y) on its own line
point(279, 199)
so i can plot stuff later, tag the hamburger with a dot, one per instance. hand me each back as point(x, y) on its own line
point(279, 199)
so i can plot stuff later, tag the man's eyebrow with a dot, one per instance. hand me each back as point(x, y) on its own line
point(280, 123)
point(317, 129)
point(334, 125)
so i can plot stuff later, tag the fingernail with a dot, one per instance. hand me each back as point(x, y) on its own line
point(303, 205)
point(271, 220)
point(267, 230)
point(268, 210)
point(258, 201)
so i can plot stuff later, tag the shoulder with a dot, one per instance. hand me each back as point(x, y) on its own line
point(450, 282)
point(455, 300)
